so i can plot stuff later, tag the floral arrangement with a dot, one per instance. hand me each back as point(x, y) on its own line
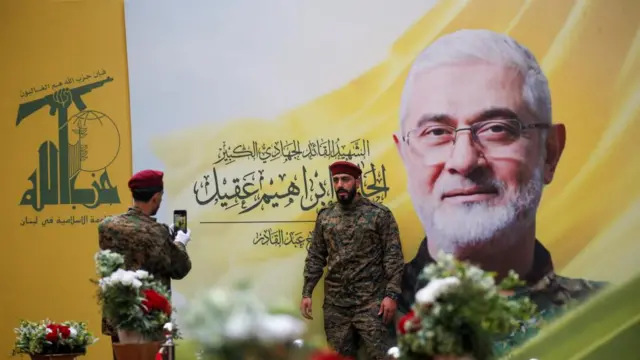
point(235, 323)
point(48, 338)
point(460, 312)
point(132, 300)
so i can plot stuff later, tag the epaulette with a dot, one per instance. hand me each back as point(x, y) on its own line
point(379, 206)
point(323, 209)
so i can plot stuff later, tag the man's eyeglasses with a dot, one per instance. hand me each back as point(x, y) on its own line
point(488, 134)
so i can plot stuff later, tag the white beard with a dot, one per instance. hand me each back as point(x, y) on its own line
point(460, 225)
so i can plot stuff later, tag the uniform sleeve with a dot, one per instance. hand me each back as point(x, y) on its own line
point(393, 260)
point(108, 236)
point(180, 263)
point(315, 262)
point(104, 241)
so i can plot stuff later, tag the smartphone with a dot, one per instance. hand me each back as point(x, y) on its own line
point(180, 220)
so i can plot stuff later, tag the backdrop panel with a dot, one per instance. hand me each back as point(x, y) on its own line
point(66, 141)
point(245, 103)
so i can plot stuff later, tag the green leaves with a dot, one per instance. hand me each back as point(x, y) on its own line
point(31, 338)
point(120, 295)
point(461, 310)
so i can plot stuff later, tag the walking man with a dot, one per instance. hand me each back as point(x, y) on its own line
point(359, 241)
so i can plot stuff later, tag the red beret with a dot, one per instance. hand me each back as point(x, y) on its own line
point(146, 179)
point(345, 167)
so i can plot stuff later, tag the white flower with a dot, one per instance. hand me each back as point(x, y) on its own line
point(394, 352)
point(279, 328)
point(239, 326)
point(136, 283)
point(475, 273)
point(219, 298)
point(141, 274)
point(124, 277)
point(436, 288)
point(73, 332)
point(168, 327)
point(298, 343)
point(487, 282)
point(117, 275)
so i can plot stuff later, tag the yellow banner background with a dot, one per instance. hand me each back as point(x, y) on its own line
point(588, 49)
point(48, 46)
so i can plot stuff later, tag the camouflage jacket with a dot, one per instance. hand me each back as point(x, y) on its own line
point(360, 245)
point(145, 244)
point(551, 293)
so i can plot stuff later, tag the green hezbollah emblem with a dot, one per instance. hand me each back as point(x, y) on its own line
point(88, 142)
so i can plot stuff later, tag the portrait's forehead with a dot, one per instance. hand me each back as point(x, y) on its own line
point(464, 90)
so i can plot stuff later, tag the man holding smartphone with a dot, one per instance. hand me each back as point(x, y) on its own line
point(144, 242)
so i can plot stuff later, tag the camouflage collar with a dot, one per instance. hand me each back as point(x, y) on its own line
point(138, 213)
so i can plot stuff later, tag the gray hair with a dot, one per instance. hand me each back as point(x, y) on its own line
point(489, 46)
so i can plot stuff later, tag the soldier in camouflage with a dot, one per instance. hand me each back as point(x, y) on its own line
point(145, 243)
point(359, 242)
point(479, 146)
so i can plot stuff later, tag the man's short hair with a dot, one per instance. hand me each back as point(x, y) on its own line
point(489, 46)
point(144, 195)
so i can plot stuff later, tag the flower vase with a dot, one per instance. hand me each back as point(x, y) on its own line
point(55, 357)
point(134, 346)
point(130, 337)
point(140, 351)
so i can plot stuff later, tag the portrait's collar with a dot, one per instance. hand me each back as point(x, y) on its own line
point(541, 271)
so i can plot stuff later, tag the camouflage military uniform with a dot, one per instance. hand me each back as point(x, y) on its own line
point(145, 244)
point(551, 293)
point(360, 245)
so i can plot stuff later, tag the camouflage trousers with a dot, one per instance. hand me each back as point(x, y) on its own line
point(347, 328)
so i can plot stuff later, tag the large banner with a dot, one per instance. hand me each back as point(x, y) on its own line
point(244, 104)
point(66, 142)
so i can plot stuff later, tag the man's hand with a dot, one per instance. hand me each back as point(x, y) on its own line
point(181, 236)
point(387, 309)
point(305, 308)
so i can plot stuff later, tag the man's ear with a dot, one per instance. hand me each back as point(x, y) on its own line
point(554, 146)
point(396, 140)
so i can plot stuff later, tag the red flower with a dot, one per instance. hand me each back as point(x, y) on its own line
point(55, 330)
point(327, 355)
point(154, 301)
point(64, 331)
point(410, 318)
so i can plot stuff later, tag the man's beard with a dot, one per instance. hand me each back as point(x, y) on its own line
point(456, 225)
point(351, 194)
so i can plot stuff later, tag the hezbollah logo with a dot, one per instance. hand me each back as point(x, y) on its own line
point(88, 142)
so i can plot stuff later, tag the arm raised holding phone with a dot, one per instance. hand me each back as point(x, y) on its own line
point(142, 240)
